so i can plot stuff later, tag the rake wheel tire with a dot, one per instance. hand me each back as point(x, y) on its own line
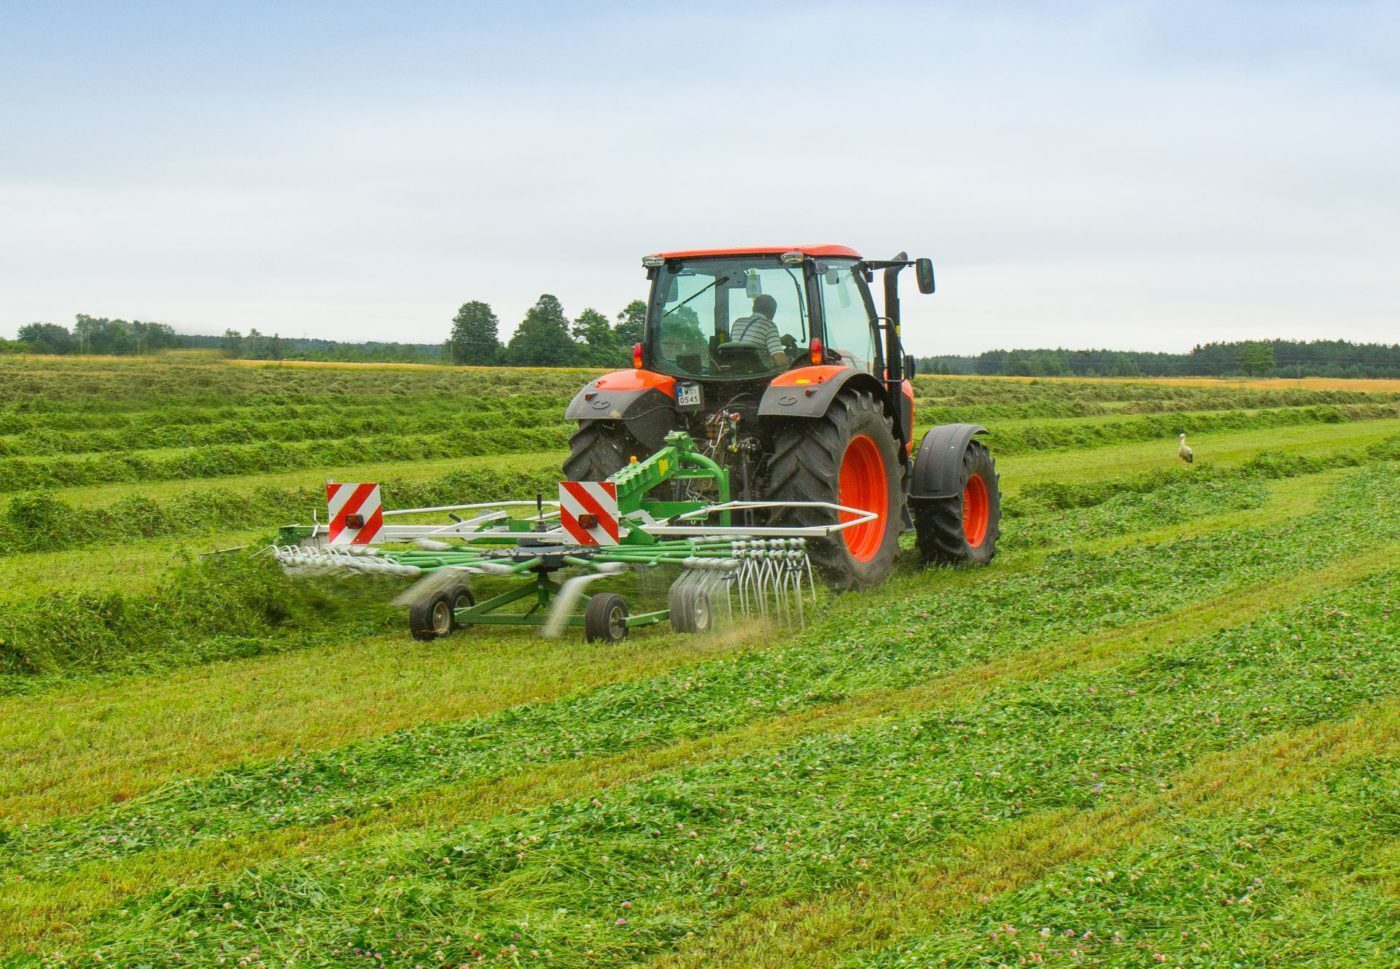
point(691, 609)
point(964, 528)
point(461, 598)
point(676, 604)
point(809, 458)
point(431, 618)
point(605, 618)
point(702, 615)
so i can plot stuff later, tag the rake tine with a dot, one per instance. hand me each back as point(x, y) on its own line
point(431, 584)
point(746, 577)
point(780, 606)
point(728, 576)
point(569, 594)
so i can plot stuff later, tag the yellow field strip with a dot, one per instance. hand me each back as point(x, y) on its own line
point(205, 358)
point(1362, 384)
point(826, 930)
point(50, 913)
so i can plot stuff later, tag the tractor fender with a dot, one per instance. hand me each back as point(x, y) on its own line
point(938, 466)
point(643, 401)
point(809, 391)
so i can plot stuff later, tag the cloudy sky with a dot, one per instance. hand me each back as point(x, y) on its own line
point(1131, 175)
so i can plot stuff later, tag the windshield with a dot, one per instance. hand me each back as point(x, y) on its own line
point(728, 317)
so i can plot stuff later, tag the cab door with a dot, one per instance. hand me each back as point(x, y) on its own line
point(848, 318)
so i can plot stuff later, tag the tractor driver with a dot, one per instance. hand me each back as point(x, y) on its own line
point(758, 329)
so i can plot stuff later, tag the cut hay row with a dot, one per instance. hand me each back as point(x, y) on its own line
point(634, 870)
point(287, 796)
point(1175, 688)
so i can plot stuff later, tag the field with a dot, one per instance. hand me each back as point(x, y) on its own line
point(1162, 728)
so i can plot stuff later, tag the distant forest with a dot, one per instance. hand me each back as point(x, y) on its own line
point(546, 337)
point(1250, 358)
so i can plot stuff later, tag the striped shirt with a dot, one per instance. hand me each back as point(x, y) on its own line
point(757, 330)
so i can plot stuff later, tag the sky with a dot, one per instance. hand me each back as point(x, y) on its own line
point(1126, 175)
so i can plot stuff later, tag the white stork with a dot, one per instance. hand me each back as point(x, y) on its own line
point(1185, 452)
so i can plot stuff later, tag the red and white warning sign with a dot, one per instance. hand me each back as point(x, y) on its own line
point(588, 511)
point(356, 516)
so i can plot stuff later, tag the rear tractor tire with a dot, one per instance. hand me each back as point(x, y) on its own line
point(847, 457)
point(963, 527)
point(599, 449)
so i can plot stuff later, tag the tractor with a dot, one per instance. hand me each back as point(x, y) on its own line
point(777, 363)
point(764, 433)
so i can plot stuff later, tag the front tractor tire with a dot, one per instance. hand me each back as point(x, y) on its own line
point(847, 457)
point(961, 528)
point(599, 449)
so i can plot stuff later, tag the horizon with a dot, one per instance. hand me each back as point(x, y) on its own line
point(1135, 178)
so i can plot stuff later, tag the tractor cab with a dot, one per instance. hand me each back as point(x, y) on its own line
point(737, 316)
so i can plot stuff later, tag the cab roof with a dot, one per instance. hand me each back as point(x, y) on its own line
point(824, 249)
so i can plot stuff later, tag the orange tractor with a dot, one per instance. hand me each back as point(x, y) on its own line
point(778, 364)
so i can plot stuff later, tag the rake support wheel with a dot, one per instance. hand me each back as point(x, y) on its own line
point(847, 457)
point(961, 527)
point(431, 618)
point(461, 598)
point(605, 618)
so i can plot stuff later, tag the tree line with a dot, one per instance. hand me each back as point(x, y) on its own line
point(97, 335)
point(1249, 358)
point(546, 337)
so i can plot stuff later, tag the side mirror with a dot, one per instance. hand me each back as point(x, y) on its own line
point(923, 268)
point(909, 368)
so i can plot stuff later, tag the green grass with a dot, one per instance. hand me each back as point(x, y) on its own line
point(633, 872)
point(1175, 688)
point(1295, 880)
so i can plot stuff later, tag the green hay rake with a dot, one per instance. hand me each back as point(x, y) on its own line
point(596, 530)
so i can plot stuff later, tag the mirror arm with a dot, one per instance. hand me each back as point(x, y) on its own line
point(894, 351)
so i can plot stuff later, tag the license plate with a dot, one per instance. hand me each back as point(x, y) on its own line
point(688, 395)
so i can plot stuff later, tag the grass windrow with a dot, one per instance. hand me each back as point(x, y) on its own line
point(1159, 729)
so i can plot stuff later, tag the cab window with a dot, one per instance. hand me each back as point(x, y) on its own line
point(728, 317)
point(847, 317)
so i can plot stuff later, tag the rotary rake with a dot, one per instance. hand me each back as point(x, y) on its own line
point(541, 563)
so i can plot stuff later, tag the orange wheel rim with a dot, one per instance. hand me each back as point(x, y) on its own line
point(976, 510)
point(862, 484)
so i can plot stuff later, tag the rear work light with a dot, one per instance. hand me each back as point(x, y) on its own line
point(816, 353)
point(793, 258)
point(652, 262)
point(637, 356)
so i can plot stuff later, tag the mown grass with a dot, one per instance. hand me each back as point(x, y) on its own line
point(1297, 880)
point(952, 890)
point(504, 433)
point(210, 767)
point(77, 518)
point(49, 907)
point(686, 695)
point(973, 624)
point(114, 739)
point(634, 871)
